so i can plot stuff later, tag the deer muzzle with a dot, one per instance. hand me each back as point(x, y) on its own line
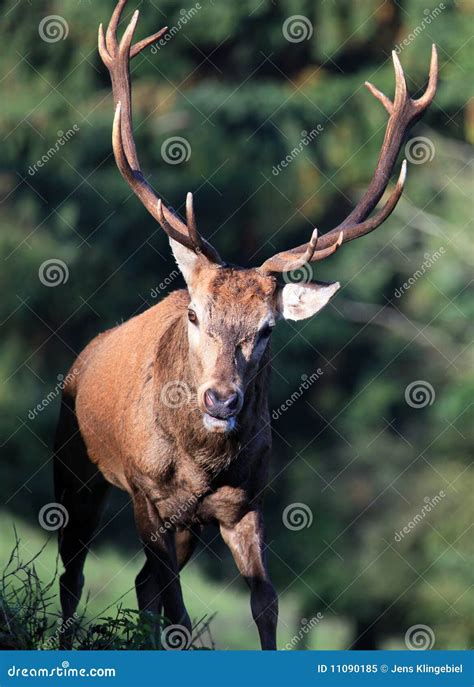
point(221, 409)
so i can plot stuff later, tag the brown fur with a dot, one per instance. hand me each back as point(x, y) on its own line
point(180, 476)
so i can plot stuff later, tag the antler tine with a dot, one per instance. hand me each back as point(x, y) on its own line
point(427, 98)
point(386, 102)
point(117, 145)
point(169, 230)
point(200, 244)
point(116, 56)
point(401, 93)
point(145, 42)
point(312, 243)
point(111, 34)
point(103, 52)
point(403, 111)
point(326, 252)
point(290, 260)
point(191, 222)
point(127, 38)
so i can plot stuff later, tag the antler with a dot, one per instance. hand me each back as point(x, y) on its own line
point(403, 111)
point(116, 56)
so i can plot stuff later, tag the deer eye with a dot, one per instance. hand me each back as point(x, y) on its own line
point(192, 317)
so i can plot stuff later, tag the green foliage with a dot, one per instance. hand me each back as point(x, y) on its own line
point(28, 619)
point(351, 448)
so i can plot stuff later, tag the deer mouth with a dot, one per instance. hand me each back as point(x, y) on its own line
point(219, 425)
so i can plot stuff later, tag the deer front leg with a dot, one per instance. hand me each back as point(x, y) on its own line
point(159, 547)
point(245, 539)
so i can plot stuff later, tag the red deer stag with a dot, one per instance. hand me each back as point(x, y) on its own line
point(204, 460)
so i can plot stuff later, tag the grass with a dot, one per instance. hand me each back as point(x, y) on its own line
point(29, 620)
point(107, 614)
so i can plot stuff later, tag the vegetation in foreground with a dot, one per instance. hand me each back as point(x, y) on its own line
point(29, 618)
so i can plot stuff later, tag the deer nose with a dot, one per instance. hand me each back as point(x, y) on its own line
point(221, 406)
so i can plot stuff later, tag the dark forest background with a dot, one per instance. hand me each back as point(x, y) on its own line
point(356, 448)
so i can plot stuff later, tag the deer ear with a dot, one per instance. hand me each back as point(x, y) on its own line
point(186, 258)
point(299, 301)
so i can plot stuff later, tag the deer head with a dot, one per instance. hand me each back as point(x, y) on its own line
point(233, 310)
